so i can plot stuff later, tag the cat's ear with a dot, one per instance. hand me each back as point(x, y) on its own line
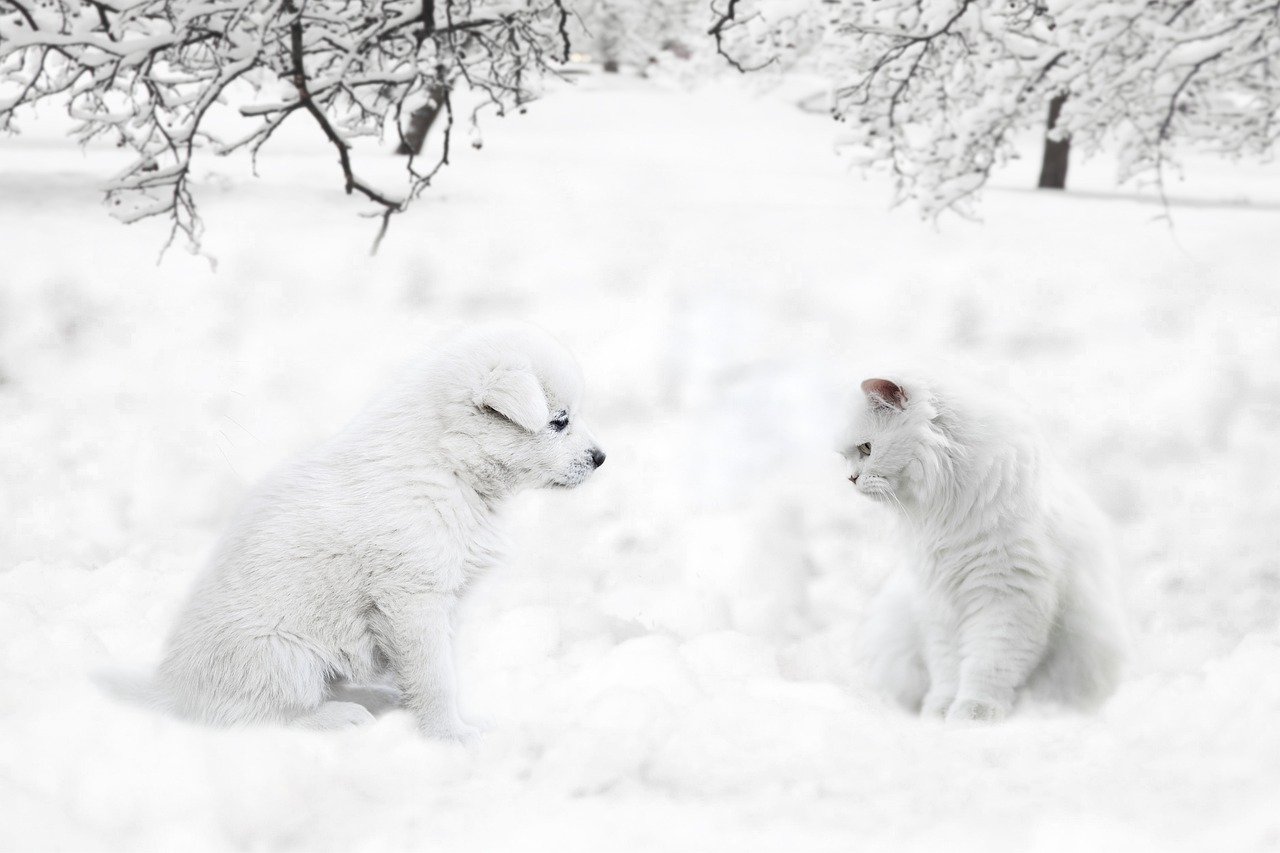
point(885, 394)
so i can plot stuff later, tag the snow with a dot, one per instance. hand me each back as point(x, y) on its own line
point(671, 661)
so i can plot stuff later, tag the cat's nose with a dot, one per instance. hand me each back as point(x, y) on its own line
point(854, 479)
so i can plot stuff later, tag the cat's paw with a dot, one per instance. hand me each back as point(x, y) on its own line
point(936, 704)
point(976, 711)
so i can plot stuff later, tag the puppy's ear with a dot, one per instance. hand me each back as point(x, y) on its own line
point(885, 394)
point(516, 394)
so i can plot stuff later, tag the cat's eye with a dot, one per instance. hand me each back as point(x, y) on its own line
point(865, 448)
point(560, 422)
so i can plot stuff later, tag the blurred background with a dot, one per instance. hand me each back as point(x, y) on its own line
point(671, 661)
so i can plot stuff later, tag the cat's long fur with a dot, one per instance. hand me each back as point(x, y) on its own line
point(1012, 583)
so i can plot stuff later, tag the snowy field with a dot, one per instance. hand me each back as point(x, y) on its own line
point(670, 663)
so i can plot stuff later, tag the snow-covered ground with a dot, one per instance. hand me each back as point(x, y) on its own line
point(670, 663)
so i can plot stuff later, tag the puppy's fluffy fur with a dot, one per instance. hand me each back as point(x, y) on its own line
point(344, 567)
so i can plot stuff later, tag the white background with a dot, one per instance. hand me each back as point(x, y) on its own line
point(671, 660)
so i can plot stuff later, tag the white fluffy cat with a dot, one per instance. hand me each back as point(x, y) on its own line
point(1012, 581)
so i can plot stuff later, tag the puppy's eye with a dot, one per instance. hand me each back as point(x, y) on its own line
point(865, 448)
point(560, 422)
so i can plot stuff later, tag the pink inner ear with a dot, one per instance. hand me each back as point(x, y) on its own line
point(885, 392)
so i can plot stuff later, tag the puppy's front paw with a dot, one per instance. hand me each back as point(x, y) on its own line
point(976, 711)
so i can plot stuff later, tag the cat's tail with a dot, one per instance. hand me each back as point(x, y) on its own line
point(132, 687)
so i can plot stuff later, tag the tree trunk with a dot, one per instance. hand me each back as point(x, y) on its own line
point(420, 121)
point(1053, 168)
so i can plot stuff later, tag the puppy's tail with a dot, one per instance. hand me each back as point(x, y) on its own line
point(132, 687)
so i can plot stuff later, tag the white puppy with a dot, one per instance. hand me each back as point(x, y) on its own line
point(345, 566)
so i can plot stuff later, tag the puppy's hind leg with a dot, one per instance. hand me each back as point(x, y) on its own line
point(265, 678)
point(334, 715)
point(376, 698)
point(294, 673)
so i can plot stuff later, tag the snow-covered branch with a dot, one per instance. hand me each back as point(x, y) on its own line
point(937, 90)
point(148, 75)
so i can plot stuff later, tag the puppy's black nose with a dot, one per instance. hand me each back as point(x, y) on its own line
point(597, 457)
point(854, 479)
